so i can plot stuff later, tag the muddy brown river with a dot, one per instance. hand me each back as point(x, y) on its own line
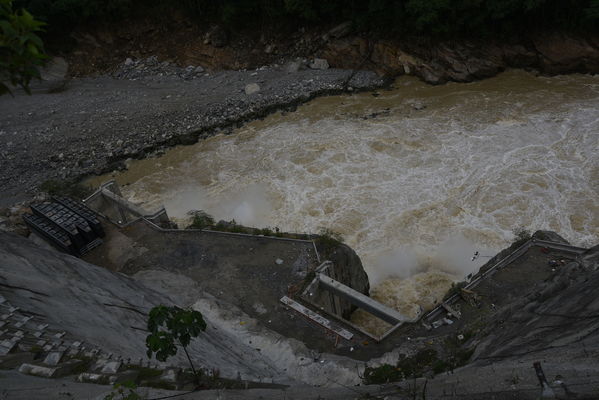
point(416, 178)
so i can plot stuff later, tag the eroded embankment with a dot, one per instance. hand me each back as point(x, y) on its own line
point(96, 123)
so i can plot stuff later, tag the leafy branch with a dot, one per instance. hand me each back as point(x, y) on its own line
point(170, 326)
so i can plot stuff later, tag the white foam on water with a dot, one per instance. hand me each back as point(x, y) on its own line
point(415, 193)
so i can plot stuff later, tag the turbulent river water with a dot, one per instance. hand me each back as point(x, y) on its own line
point(416, 178)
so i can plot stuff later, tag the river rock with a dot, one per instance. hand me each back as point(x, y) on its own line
point(293, 66)
point(561, 53)
point(252, 88)
point(269, 49)
point(319, 63)
point(518, 56)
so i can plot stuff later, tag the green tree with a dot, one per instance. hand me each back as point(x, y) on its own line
point(21, 49)
point(170, 326)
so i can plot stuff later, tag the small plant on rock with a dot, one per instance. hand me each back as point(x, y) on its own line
point(328, 238)
point(522, 236)
point(170, 326)
point(200, 220)
point(124, 391)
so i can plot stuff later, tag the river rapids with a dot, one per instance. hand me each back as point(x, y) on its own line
point(415, 178)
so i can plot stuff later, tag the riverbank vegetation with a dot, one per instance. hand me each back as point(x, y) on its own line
point(21, 49)
point(385, 17)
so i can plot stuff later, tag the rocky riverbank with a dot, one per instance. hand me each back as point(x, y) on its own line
point(436, 63)
point(435, 60)
point(92, 125)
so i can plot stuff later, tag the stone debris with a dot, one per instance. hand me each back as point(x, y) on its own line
point(140, 68)
point(87, 377)
point(452, 312)
point(6, 347)
point(37, 370)
point(319, 63)
point(170, 375)
point(293, 66)
point(417, 105)
point(111, 367)
point(252, 88)
point(53, 358)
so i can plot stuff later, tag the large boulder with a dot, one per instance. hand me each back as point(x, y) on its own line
point(561, 53)
point(319, 63)
point(346, 268)
point(518, 56)
point(252, 88)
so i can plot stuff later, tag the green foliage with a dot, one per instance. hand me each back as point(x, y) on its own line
point(423, 361)
point(169, 326)
point(522, 236)
point(455, 288)
point(380, 375)
point(233, 227)
point(21, 49)
point(145, 373)
point(387, 17)
point(200, 220)
point(407, 367)
point(161, 385)
point(66, 188)
point(124, 391)
point(328, 238)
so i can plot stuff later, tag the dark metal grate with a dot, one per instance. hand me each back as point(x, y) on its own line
point(68, 225)
point(50, 232)
point(82, 211)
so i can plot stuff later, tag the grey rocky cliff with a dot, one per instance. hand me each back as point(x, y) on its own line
point(346, 268)
point(560, 315)
point(108, 310)
point(464, 61)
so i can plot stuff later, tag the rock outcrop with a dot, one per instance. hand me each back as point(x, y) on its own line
point(346, 268)
point(442, 62)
